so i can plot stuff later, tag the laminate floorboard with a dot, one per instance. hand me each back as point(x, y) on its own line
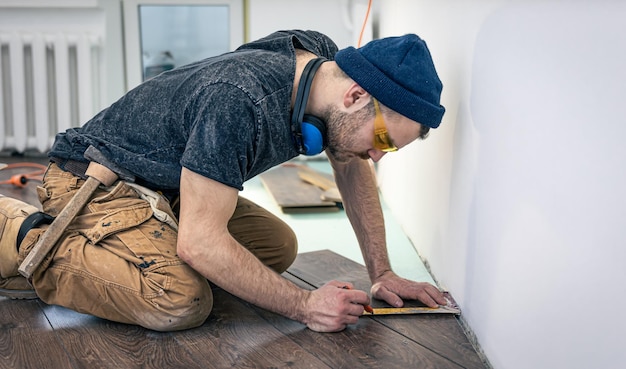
point(236, 336)
point(96, 343)
point(26, 338)
point(439, 333)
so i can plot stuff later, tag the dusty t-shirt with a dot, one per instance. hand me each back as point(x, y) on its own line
point(226, 117)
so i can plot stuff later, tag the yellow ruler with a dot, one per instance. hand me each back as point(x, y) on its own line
point(414, 310)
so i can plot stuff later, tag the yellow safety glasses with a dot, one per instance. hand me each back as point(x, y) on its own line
point(382, 141)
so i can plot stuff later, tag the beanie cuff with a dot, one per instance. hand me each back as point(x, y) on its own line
point(388, 92)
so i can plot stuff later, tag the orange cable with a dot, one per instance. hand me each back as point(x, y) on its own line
point(367, 14)
point(20, 180)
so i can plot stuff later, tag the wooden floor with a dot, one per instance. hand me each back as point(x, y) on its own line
point(236, 335)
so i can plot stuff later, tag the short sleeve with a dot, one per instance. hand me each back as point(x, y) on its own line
point(222, 134)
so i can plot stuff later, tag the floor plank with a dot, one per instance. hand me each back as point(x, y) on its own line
point(233, 336)
point(368, 344)
point(439, 333)
point(236, 336)
point(27, 340)
point(292, 194)
point(97, 343)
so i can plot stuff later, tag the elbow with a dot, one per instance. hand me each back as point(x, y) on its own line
point(187, 252)
point(201, 249)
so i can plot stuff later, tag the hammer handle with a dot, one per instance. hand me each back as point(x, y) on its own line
point(97, 174)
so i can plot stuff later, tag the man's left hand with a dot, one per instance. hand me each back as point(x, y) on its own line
point(392, 289)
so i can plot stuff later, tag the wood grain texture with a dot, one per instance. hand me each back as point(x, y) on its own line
point(368, 344)
point(26, 338)
point(236, 336)
point(439, 333)
point(97, 343)
point(292, 194)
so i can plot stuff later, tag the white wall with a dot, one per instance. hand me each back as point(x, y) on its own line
point(341, 20)
point(518, 198)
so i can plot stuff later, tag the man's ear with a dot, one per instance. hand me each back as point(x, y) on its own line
point(355, 97)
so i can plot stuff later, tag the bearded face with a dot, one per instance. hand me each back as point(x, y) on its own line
point(346, 135)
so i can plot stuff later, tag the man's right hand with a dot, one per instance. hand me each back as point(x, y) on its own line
point(333, 306)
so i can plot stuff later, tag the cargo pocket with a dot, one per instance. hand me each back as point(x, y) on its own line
point(113, 210)
point(56, 192)
point(118, 221)
point(152, 249)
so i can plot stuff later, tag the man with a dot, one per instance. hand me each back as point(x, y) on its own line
point(196, 134)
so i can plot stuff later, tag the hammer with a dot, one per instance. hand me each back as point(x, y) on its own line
point(97, 174)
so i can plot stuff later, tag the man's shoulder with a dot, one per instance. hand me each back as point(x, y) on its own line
point(288, 40)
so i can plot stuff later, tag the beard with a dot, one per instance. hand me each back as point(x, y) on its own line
point(342, 133)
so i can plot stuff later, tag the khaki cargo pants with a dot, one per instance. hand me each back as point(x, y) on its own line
point(118, 262)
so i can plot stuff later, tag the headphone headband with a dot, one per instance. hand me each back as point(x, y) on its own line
point(302, 96)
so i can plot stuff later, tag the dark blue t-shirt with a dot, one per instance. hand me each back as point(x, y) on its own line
point(226, 117)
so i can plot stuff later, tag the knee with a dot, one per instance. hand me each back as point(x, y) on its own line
point(182, 312)
point(286, 250)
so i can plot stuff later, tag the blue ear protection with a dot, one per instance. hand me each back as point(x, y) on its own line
point(309, 132)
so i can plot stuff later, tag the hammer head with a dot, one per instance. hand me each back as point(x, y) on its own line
point(94, 155)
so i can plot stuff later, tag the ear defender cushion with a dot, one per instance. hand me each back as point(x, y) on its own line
point(313, 134)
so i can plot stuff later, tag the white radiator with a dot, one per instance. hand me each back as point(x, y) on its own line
point(49, 82)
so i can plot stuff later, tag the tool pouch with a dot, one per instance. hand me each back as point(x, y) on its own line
point(159, 204)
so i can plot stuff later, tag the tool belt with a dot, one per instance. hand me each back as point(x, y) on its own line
point(77, 168)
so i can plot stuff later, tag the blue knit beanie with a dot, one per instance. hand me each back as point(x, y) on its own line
point(399, 72)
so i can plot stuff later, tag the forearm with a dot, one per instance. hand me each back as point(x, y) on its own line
point(205, 243)
point(232, 267)
point(357, 185)
point(327, 309)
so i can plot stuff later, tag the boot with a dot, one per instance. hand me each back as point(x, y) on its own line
point(13, 212)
